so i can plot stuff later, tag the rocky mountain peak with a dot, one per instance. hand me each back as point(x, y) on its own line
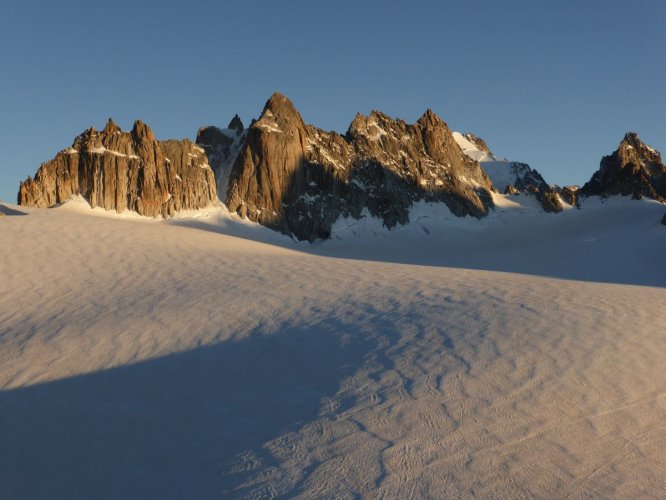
point(111, 127)
point(631, 138)
point(371, 127)
point(279, 112)
point(634, 150)
point(236, 124)
point(142, 132)
point(634, 168)
point(269, 162)
point(430, 119)
point(89, 140)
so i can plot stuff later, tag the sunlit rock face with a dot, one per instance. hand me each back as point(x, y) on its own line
point(634, 168)
point(299, 179)
point(120, 171)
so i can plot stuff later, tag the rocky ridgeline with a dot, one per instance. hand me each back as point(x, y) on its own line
point(119, 171)
point(299, 179)
point(634, 168)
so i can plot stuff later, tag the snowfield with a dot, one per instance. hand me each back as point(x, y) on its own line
point(523, 355)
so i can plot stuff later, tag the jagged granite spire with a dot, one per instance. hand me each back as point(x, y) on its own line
point(111, 127)
point(634, 168)
point(236, 124)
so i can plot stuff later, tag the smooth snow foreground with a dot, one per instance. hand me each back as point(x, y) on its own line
point(208, 358)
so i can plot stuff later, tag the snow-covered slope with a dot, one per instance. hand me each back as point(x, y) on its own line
point(502, 172)
point(521, 355)
point(473, 149)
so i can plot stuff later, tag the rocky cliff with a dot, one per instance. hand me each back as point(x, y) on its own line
point(119, 171)
point(300, 179)
point(634, 168)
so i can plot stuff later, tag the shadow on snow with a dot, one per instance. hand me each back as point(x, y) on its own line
point(175, 426)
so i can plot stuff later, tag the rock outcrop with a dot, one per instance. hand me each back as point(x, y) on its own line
point(299, 179)
point(634, 168)
point(119, 171)
point(570, 195)
point(550, 200)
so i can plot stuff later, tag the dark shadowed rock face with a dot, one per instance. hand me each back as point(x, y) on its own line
point(299, 179)
point(119, 171)
point(222, 147)
point(633, 169)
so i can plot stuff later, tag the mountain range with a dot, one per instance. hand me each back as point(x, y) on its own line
point(299, 179)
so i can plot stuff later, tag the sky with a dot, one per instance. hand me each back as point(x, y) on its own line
point(553, 84)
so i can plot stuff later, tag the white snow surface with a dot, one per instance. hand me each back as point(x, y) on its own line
point(471, 150)
point(521, 355)
point(501, 171)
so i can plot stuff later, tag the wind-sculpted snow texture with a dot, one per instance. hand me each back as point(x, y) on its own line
point(213, 358)
point(299, 179)
point(120, 171)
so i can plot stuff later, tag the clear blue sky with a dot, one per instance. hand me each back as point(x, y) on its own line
point(552, 83)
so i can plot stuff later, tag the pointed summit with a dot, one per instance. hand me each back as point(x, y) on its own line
point(429, 118)
point(634, 168)
point(111, 127)
point(429, 114)
point(142, 132)
point(278, 99)
point(280, 105)
point(279, 114)
point(631, 144)
point(632, 138)
point(236, 124)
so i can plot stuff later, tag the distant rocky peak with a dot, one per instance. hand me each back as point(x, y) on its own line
point(632, 144)
point(372, 126)
point(430, 119)
point(236, 124)
point(279, 115)
point(88, 140)
point(111, 128)
point(632, 138)
point(142, 132)
point(634, 168)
